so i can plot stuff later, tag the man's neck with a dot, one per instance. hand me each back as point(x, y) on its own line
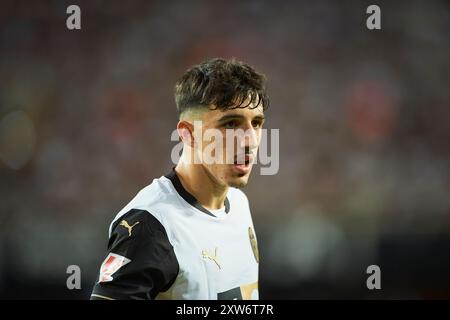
point(197, 182)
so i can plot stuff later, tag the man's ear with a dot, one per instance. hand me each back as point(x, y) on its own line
point(186, 132)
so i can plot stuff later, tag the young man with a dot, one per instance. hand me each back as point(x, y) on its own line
point(189, 234)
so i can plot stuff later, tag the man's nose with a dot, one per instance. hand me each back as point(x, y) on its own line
point(249, 140)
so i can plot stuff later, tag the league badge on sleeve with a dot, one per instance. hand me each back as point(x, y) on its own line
point(112, 263)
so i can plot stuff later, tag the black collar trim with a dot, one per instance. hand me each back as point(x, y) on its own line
point(172, 176)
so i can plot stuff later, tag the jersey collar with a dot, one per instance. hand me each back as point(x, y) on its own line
point(189, 198)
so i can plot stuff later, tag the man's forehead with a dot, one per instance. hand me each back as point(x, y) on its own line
point(248, 112)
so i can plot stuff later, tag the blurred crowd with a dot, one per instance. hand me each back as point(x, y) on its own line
point(364, 117)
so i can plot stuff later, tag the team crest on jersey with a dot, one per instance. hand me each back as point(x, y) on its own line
point(112, 263)
point(253, 243)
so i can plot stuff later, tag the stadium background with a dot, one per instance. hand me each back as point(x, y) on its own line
point(86, 117)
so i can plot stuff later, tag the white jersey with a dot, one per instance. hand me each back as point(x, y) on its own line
point(165, 245)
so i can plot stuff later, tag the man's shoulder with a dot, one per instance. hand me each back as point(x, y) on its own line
point(154, 192)
point(158, 190)
point(156, 195)
point(235, 194)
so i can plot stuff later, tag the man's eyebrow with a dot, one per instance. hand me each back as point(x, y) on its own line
point(259, 117)
point(238, 116)
point(230, 117)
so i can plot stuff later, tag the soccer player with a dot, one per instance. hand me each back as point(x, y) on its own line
point(189, 234)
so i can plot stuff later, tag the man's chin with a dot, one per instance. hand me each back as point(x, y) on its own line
point(238, 182)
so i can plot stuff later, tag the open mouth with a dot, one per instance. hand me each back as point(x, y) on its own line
point(242, 164)
point(243, 160)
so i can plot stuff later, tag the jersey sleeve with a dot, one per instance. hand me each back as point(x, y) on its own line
point(140, 261)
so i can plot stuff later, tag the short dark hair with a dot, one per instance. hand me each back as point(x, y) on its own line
point(223, 84)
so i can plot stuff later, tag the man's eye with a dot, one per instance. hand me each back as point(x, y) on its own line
point(256, 124)
point(231, 125)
